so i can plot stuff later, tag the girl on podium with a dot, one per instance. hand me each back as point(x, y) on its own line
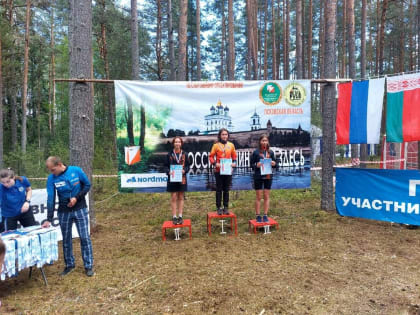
point(262, 161)
point(177, 167)
point(223, 157)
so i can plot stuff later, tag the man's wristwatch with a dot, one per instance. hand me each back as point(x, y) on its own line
point(28, 201)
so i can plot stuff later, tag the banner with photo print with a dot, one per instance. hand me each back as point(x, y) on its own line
point(150, 114)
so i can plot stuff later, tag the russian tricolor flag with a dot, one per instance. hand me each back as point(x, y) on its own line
point(359, 111)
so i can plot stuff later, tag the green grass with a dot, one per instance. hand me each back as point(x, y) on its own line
point(315, 263)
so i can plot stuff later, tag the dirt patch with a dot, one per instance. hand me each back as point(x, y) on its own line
point(316, 263)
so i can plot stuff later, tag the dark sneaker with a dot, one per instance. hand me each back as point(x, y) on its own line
point(226, 211)
point(180, 220)
point(265, 218)
point(219, 211)
point(89, 272)
point(174, 220)
point(259, 220)
point(66, 271)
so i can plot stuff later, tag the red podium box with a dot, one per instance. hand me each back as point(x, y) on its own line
point(255, 224)
point(214, 215)
point(170, 225)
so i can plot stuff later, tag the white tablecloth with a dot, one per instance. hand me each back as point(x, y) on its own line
point(28, 247)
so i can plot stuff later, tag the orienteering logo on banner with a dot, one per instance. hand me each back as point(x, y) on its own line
point(132, 155)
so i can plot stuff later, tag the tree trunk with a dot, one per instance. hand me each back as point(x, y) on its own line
point(81, 101)
point(182, 40)
point(412, 35)
point(284, 40)
point(13, 110)
point(159, 40)
point(378, 26)
point(103, 49)
point(309, 76)
point(135, 68)
point(252, 37)
point(352, 58)
point(299, 60)
point(382, 36)
point(254, 13)
point(25, 76)
point(38, 113)
point(1, 107)
point(13, 120)
point(344, 47)
point(51, 93)
point(222, 48)
point(142, 128)
point(303, 38)
point(287, 46)
point(328, 112)
point(418, 46)
point(10, 12)
point(197, 19)
point(402, 35)
point(273, 44)
point(321, 49)
point(130, 124)
point(363, 146)
point(363, 40)
point(260, 44)
point(135, 73)
point(265, 39)
point(248, 40)
point(369, 53)
point(279, 43)
point(231, 31)
point(171, 42)
point(189, 53)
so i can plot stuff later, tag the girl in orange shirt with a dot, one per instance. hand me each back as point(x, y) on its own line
point(222, 149)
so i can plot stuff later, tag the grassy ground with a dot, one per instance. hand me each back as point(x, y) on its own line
point(316, 263)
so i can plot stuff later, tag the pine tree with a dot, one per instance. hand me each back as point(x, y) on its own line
point(328, 108)
point(81, 101)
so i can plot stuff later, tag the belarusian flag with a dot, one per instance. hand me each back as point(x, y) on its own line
point(403, 108)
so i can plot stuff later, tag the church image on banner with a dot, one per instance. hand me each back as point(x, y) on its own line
point(217, 119)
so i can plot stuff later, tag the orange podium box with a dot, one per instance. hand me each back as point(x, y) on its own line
point(255, 224)
point(214, 215)
point(170, 225)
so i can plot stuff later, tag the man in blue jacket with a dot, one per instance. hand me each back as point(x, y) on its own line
point(71, 185)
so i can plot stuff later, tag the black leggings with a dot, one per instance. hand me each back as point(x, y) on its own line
point(223, 183)
point(26, 219)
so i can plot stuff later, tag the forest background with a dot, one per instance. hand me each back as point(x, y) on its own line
point(180, 40)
